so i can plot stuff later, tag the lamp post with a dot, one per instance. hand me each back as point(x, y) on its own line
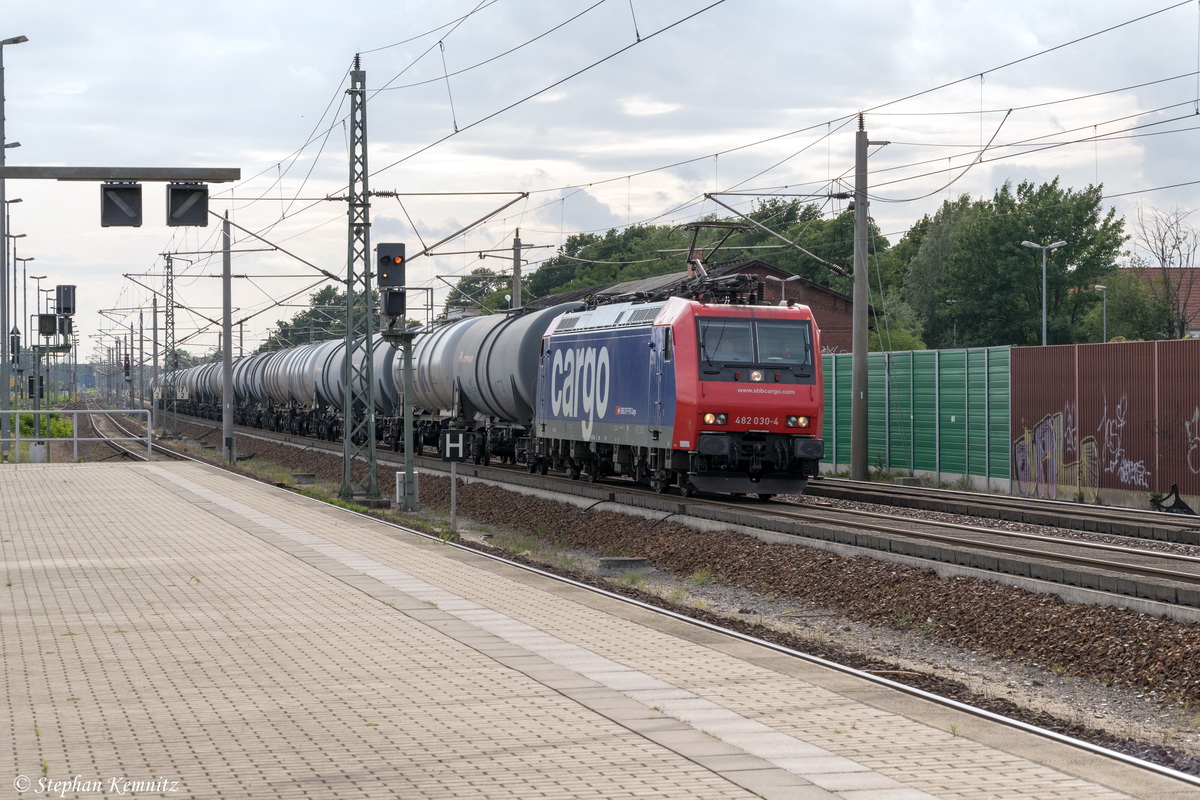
point(782, 285)
point(950, 303)
point(4, 145)
point(37, 354)
point(1104, 295)
point(19, 323)
point(5, 363)
point(1043, 248)
point(37, 298)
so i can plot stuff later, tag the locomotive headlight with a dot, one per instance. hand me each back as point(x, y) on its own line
point(798, 422)
point(714, 419)
point(756, 375)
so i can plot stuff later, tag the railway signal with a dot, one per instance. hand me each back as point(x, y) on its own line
point(391, 265)
point(187, 204)
point(121, 205)
point(390, 258)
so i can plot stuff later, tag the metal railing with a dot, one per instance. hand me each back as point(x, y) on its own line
point(75, 437)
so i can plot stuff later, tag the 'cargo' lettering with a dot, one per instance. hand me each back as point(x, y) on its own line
point(579, 384)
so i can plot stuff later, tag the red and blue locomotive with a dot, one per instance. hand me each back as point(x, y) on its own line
point(715, 393)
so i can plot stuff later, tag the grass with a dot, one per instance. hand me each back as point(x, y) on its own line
point(633, 578)
point(269, 471)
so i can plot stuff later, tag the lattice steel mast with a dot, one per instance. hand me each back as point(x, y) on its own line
point(358, 372)
point(170, 386)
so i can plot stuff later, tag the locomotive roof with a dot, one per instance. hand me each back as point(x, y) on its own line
point(656, 283)
point(617, 315)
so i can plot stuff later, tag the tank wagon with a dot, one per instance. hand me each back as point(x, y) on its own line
point(710, 392)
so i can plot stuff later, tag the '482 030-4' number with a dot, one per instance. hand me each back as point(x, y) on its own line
point(756, 421)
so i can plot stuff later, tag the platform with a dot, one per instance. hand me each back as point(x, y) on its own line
point(175, 629)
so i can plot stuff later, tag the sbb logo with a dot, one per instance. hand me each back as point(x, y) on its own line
point(579, 384)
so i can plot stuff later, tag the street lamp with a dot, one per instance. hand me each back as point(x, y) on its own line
point(782, 287)
point(4, 146)
point(950, 303)
point(1043, 248)
point(1104, 294)
point(5, 363)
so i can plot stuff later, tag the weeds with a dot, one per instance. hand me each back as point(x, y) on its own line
point(633, 578)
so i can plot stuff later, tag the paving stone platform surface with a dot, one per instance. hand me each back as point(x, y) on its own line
point(172, 630)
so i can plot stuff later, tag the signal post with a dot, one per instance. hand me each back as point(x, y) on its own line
point(390, 279)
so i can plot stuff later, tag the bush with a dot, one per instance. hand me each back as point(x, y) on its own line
point(53, 426)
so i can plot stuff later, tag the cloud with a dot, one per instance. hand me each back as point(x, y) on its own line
point(642, 106)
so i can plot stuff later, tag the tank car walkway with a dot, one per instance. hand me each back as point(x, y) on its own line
point(171, 630)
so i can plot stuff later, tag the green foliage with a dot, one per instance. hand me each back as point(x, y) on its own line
point(325, 318)
point(587, 260)
point(970, 253)
point(643, 251)
point(897, 327)
point(1134, 312)
point(53, 426)
point(483, 288)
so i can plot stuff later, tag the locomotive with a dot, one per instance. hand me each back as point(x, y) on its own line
point(702, 388)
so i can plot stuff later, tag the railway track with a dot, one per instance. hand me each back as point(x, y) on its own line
point(114, 432)
point(1141, 524)
point(1109, 572)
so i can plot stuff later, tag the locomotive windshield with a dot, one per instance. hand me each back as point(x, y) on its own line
point(726, 340)
point(778, 342)
point(784, 341)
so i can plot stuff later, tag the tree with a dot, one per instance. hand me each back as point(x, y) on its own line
point(895, 329)
point(1133, 314)
point(1173, 277)
point(971, 253)
point(481, 289)
point(325, 318)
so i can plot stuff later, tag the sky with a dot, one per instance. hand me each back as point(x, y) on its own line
point(605, 113)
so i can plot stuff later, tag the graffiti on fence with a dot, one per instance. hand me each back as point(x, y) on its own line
point(1112, 432)
point(1192, 429)
point(1040, 458)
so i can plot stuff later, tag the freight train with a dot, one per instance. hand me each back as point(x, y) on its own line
point(708, 389)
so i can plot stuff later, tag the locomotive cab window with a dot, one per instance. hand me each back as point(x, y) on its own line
point(784, 342)
point(783, 346)
point(726, 341)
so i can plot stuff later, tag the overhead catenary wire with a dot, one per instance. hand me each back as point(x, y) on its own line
point(978, 159)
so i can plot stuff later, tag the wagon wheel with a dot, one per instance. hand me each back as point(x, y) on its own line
point(686, 487)
point(765, 496)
